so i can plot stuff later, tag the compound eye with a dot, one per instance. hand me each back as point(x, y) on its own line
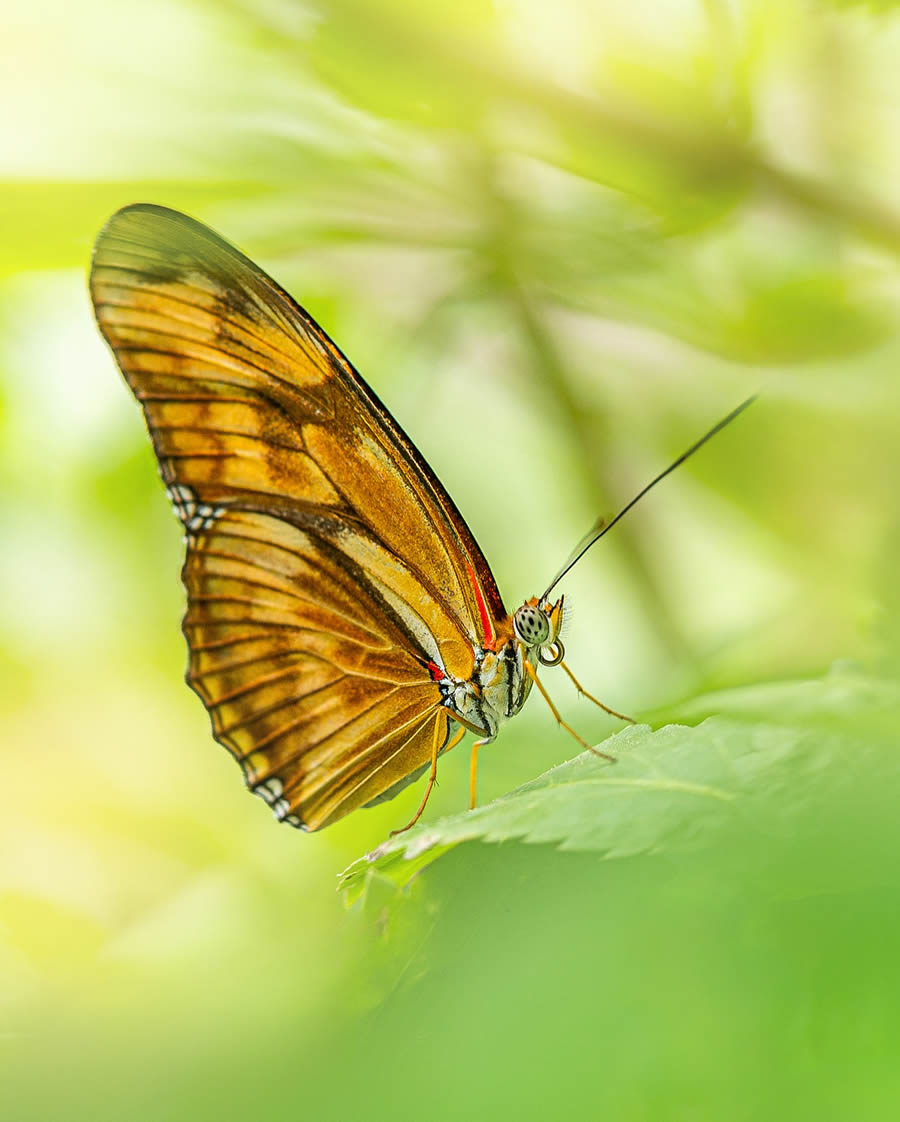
point(531, 625)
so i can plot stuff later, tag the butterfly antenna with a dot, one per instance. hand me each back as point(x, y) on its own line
point(600, 528)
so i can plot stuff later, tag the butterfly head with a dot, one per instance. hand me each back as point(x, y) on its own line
point(537, 625)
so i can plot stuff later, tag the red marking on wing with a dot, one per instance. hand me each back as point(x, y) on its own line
point(435, 671)
point(487, 627)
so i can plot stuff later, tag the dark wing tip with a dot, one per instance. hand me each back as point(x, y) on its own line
point(176, 239)
point(124, 214)
point(121, 225)
point(159, 224)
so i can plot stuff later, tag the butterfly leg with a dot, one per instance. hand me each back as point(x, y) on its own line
point(606, 709)
point(432, 776)
point(540, 685)
point(473, 772)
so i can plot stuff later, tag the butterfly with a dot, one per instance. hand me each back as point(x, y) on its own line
point(344, 628)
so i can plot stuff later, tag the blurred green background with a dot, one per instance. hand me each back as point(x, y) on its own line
point(563, 239)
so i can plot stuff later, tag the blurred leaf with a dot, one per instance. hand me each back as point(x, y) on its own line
point(384, 57)
point(680, 156)
point(669, 790)
point(799, 317)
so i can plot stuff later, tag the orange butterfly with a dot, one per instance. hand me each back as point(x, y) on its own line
point(341, 618)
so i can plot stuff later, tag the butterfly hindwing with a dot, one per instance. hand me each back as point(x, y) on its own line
point(311, 687)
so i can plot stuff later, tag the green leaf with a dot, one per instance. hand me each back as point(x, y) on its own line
point(670, 790)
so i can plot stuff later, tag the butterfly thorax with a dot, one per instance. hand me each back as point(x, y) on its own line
point(500, 681)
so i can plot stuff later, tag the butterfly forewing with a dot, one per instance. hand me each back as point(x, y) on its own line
point(327, 570)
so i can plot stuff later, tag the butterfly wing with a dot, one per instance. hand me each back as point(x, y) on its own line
point(329, 574)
